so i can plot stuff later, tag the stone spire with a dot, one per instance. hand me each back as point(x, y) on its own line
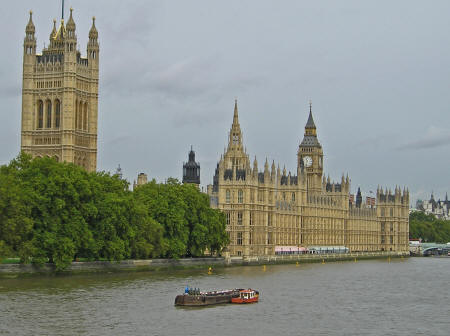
point(235, 140)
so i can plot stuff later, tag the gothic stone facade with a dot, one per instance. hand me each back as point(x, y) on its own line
point(272, 208)
point(60, 96)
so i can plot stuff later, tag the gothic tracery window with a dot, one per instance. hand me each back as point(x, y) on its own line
point(40, 114)
point(85, 117)
point(49, 114)
point(57, 113)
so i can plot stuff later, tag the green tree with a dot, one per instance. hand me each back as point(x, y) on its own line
point(428, 227)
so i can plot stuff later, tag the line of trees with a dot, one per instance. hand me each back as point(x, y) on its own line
point(57, 212)
point(428, 228)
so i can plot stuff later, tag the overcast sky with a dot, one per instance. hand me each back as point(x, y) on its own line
point(377, 72)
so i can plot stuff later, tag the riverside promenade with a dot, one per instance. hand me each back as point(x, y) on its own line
point(162, 264)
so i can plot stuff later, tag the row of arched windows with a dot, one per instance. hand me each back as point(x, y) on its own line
point(240, 196)
point(49, 114)
point(81, 115)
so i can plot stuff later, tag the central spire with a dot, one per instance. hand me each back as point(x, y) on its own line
point(235, 140)
point(235, 116)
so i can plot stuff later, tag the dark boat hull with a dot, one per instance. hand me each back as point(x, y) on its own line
point(205, 299)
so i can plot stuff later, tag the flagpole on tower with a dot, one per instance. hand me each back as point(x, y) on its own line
point(62, 10)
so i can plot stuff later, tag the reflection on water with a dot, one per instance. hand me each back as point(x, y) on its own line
point(409, 297)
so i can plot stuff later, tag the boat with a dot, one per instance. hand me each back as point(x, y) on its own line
point(246, 296)
point(197, 298)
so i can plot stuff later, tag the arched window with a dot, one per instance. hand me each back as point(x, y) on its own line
point(57, 113)
point(85, 117)
point(240, 196)
point(228, 196)
point(293, 197)
point(40, 114)
point(49, 114)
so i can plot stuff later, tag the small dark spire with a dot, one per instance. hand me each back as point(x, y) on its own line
point(191, 169)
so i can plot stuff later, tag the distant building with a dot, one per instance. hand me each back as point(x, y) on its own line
point(141, 180)
point(441, 209)
point(191, 170)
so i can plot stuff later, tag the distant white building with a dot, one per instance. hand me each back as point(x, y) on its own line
point(441, 209)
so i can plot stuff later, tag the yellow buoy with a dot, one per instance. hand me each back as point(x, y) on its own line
point(323, 261)
point(264, 268)
point(355, 259)
point(296, 264)
point(210, 270)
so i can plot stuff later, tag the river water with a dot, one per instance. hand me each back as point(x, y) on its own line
point(377, 297)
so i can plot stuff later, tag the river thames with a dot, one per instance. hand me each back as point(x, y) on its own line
point(402, 297)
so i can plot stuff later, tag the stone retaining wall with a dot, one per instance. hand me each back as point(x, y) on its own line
point(155, 264)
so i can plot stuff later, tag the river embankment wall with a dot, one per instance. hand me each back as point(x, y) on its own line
point(162, 264)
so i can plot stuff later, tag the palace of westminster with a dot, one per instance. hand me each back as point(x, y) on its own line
point(264, 209)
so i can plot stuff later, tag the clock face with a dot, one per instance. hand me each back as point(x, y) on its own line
point(235, 139)
point(307, 161)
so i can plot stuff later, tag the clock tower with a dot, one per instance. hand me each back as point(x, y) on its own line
point(310, 156)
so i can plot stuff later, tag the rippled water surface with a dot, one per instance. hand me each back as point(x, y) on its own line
point(401, 297)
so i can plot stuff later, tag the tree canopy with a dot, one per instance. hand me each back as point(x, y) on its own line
point(428, 228)
point(57, 212)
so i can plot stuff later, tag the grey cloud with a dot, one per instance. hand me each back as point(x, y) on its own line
point(434, 137)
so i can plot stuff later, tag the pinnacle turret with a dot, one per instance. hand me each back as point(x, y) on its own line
point(71, 23)
point(53, 32)
point(30, 29)
point(93, 33)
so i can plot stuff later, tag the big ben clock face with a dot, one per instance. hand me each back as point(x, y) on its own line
point(307, 161)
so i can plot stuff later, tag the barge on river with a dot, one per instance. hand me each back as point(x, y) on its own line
point(208, 298)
